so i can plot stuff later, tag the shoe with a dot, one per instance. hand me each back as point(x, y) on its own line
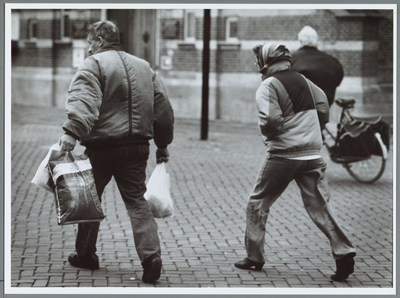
point(248, 264)
point(152, 269)
point(344, 267)
point(74, 260)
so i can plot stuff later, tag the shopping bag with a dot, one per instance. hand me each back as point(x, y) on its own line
point(74, 188)
point(158, 193)
point(42, 176)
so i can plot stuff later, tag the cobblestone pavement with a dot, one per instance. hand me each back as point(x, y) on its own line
point(210, 183)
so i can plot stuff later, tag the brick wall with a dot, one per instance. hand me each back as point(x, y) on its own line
point(232, 67)
point(45, 29)
point(33, 56)
point(251, 28)
point(329, 27)
point(385, 54)
point(187, 59)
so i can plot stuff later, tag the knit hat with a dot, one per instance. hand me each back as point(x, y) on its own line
point(270, 54)
point(308, 36)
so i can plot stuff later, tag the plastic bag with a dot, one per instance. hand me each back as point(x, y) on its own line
point(158, 193)
point(74, 188)
point(42, 177)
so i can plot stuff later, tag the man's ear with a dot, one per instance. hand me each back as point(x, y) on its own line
point(101, 41)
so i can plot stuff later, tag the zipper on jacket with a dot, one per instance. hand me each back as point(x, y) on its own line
point(129, 93)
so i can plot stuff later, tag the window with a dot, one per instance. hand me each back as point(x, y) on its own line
point(231, 29)
point(66, 33)
point(67, 27)
point(190, 27)
point(32, 29)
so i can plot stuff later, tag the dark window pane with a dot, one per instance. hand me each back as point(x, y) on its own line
point(67, 27)
point(233, 32)
point(32, 29)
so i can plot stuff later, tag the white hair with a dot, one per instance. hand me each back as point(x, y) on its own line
point(308, 36)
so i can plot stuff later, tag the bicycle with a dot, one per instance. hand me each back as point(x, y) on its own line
point(361, 144)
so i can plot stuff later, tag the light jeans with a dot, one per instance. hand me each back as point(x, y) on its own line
point(273, 178)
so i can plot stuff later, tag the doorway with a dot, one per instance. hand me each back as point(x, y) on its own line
point(138, 29)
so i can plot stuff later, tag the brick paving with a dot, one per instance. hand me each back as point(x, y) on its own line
point(210, 184)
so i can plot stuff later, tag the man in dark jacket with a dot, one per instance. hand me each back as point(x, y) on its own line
point(322, 69)
point(291, 111)
point(115, 104)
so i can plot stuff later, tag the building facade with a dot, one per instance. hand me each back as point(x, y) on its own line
point(48, 45)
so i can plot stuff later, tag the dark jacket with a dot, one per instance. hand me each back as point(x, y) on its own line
point(116, 98)
point(291, 111)
point(322, 69)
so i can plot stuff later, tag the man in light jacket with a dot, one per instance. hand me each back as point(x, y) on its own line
point(291, 112)
point(115, 104)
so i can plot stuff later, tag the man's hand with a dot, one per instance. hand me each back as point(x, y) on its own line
point(162, 155)
point(67, 142)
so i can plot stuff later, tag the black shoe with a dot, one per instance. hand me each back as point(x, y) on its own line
point(344, 267)
point(74, 260)
point(152, 269)
point(248, 264)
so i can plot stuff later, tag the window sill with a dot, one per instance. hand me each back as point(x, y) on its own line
point(63, 41)
point(227, 45)
point(187, 45)
point(30, 44)
point(344, 13)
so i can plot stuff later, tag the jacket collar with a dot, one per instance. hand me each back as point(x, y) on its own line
point(278, 66)
point(308, 48)
point(116, 46)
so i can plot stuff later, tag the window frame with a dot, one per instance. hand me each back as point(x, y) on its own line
point(189, 26)
point(228, 22)
point(63, 15)
point(33, 29)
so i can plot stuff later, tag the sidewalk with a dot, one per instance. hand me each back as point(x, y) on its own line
point(210, 184)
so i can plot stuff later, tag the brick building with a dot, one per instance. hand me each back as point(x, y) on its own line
point(49, 44)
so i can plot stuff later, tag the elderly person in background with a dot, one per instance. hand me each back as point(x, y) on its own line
point(322, 69)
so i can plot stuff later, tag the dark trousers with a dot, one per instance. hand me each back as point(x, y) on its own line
point(127, 164)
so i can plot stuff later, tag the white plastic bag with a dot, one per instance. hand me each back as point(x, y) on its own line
point(42, 177)
point(158, 193)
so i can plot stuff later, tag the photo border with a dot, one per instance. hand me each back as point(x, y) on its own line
point(210, 293)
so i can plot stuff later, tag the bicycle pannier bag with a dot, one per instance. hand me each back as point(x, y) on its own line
point(74, 188)
point(383, 129)
point(356, 141)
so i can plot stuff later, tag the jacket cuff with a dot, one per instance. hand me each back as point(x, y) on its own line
point(67, 132)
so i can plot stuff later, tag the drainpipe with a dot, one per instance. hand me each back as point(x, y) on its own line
point(103, 14)
point(53, 60)
point(206, 74)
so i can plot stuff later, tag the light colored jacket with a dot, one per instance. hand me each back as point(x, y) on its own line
point(291, 112)
point(116, 98)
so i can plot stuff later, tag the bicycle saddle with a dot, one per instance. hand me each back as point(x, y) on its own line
point(345, 103)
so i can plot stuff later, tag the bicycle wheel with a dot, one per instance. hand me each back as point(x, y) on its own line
point(371, 169)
